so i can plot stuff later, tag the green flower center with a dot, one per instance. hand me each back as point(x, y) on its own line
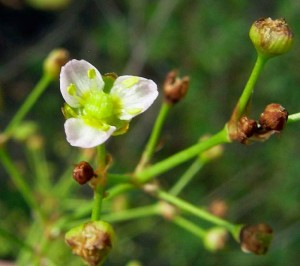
point(100, 109)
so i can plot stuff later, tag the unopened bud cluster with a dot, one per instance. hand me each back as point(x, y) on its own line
point(271, 37)
point(272, 120)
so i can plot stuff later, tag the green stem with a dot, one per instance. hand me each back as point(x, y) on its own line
point(131, 214)
point(248, 90)
point(27, 105)
point(98, 197)
point(294, 118)
point(189, 226)
point(100, 184)
point(19, 182)
point(118, 178)
point(180, 157)
point(183, 205)
point(119, 189)
point(151, 145)
point(185, 179)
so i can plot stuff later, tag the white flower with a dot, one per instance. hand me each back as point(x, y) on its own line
point(98, 107)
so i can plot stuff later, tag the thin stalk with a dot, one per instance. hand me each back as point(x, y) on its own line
point(294, 118)
point(151, 145)
point(248, 90)
point(27, 105)
point(131, 214)
point(38, 161)
point(100, 184)
point(189, 226)
point(19, 182)
point(180, 157)
point(202, 214)
point(119, 189)
point(186, 178)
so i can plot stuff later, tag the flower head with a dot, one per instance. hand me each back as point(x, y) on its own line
point(92, 241)
point(100, 106)
point(271, 37)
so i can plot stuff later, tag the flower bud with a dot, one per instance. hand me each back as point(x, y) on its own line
point(274, 117)
point(215, 239)
point(83, 172)
point(218, 208)
point(246, 128)
point(175, 88)
point(256, 238)
point(55, 60)
point(91, 241)
point(271, 37)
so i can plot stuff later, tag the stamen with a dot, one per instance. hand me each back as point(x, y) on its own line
point(134, 111)
point(128, 83)
point(91, 73)
point(72, 89)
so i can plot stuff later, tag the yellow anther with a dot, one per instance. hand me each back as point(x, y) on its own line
point(91, 73)
point(129, 82)
point(72, 89)
point(134, 111)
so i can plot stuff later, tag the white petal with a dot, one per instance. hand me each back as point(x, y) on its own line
point(81, 135)
point(76, 72)
point(136, 93)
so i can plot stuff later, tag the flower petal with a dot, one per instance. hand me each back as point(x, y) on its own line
point(76, 72)
point(136, 93)
point(81, 135)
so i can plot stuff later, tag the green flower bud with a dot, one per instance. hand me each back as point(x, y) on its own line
point(215, 239)
point(92, 241)
point(271, 37)
point(55, 60)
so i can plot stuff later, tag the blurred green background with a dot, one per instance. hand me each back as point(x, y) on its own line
point(205, 39)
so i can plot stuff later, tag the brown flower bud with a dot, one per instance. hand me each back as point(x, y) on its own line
point(55, 60)
point(274, 117)
point(256, 238)
point(83, 172)
point(91, 241)
point(245, 129)
point(218, 208)
point(271, 37)
point(175, 88)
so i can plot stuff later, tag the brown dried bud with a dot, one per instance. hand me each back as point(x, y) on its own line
point(256, 238)
point(274, 117)
point(175, 88)
point(218, 208)
point(91, 241)
point(83, 172)
point(246, 128)
point(271, 37)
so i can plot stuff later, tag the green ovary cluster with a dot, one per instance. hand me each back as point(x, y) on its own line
point(100, 110)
